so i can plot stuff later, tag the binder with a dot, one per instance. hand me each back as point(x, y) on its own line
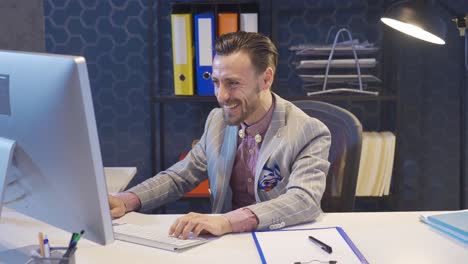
point(204, 39)
point(249, 22)
point(271, 246)
point(182, 54)
point(227, 22)
point(453, 224)
point(456, 221)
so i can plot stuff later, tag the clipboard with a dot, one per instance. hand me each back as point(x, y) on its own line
point(293, 245)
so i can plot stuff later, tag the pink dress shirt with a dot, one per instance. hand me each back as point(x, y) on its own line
point(243, 174)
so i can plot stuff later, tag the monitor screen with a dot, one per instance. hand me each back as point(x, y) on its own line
point(56, 173)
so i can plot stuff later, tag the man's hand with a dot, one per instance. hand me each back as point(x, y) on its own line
point(117, 206)
point(198, 223)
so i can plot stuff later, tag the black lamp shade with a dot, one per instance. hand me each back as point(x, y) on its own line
point(417, 19)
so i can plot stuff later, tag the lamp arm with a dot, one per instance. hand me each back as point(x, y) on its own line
point(461, 20)
point(466, 52)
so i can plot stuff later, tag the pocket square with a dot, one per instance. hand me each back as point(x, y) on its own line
point(270, 178)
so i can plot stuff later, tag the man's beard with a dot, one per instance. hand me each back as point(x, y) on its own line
point(234, 122)
point(246, 109)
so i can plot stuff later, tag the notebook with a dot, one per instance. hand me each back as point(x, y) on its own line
point(294, 246)
point(149, 235)
point(454, 224)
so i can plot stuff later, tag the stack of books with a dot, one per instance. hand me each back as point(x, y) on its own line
point(376, 165)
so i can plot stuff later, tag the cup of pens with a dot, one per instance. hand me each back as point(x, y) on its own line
point(55, 255)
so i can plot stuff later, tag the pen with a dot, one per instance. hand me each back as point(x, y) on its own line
point(71, 239)
point(41, 244)
point(78, 236)
point(322, 245)
point(46, 247)
point(72, 247)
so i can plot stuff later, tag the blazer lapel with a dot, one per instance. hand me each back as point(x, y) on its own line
point(272, 138)
point(223, 194)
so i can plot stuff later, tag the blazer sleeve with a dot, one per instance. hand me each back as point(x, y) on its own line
point(183, 176)
point(301, 201)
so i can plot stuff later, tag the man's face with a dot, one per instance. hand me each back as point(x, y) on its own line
point(237, 87)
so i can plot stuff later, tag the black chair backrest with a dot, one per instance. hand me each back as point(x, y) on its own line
point(345, 153)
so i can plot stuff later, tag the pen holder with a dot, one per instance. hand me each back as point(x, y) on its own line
point(56, 257)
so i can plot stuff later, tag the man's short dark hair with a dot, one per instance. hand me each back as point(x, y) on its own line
point(260, 48)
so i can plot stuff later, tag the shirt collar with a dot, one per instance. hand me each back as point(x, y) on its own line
point(261, 126)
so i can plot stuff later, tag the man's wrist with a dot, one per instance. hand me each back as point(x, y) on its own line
point(131, 201)
point(227, 226)
point(242, 220)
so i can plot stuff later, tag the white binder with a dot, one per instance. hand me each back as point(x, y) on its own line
point(249, 22)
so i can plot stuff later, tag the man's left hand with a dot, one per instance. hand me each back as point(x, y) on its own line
point(197, 223)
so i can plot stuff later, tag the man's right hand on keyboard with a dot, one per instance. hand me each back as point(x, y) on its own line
point(198, 223)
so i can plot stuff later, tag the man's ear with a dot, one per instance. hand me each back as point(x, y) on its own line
point(268, 77)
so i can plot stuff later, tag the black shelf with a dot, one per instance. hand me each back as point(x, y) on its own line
point(366, 107)
point(324, 98)
point(374, 203)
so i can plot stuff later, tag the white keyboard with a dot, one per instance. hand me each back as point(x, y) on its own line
point(150, 236)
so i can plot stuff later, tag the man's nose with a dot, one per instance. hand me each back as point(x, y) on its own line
point(222, 93)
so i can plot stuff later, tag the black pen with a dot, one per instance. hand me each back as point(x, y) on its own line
point(323, 246)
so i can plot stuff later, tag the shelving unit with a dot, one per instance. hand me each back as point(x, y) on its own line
point(324, 98)
point(375, 112)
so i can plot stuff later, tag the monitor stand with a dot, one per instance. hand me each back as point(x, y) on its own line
point(7, 148)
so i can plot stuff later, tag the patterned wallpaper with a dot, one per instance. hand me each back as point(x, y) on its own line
point(426, 79)
point(113, 37)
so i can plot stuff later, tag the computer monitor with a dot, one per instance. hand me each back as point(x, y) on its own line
point(55, 173)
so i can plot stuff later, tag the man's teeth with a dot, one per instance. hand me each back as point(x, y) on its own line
point(231, 106)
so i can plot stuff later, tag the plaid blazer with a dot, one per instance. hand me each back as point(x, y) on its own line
point(290, 175)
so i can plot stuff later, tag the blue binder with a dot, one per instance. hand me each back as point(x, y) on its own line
point(204, 52)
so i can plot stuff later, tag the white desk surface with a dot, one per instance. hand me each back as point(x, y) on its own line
point(117, 178)
point(396, 237)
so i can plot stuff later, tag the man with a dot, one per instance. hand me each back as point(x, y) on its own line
point(266, 160)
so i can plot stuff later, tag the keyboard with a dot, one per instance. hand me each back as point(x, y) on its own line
point(150, 236)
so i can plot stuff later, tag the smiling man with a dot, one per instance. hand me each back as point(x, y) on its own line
point(265, 159)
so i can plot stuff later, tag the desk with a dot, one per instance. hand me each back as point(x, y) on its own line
point(396, 237)
point(117, 178)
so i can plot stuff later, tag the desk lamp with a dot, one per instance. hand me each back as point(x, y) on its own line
point(418, 19)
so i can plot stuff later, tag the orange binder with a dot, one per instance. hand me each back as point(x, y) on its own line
point(201, 191)
point(227, 22)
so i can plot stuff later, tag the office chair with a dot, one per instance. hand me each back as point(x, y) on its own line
point(345, 153)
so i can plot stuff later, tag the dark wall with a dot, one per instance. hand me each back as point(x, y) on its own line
point(430, 87)
point(22, 25)
point(113, 37)
point(426, 79)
